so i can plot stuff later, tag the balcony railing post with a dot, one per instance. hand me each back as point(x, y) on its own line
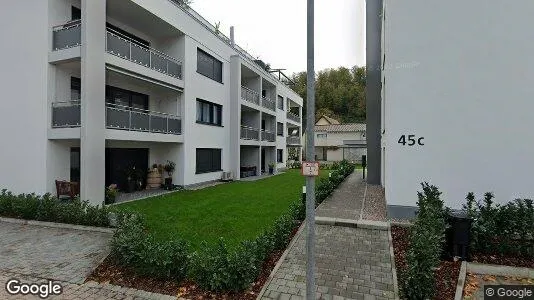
point(167, 124)
point(130, 46)
point(129, 120)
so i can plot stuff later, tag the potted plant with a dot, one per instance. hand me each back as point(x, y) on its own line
point(271, 168)
point(111, 194)
point(169, 168)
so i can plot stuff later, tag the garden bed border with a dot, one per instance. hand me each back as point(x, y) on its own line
point(393, 267)
point(57, 225)
point(499, 270)
point(460, 283)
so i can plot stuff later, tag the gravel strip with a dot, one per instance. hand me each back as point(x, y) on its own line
point(375, 204)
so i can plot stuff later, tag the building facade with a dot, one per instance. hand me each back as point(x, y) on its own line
point(104, 85)
point(455, 99)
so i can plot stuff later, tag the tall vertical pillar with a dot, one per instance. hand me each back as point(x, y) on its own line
point(235, 114)
point(373, 89)
point(93, 107)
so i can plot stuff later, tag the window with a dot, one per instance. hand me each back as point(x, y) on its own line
point(280, 102)
point(121, 97)
point(280, 129)
point(75, 13)
point(75, 88)
point(280, 155)
point(321, 135)
point(209, 113)
point(208, 160)
point(75, 164)
point(209, 66)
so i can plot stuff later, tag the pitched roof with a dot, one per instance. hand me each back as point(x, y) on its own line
point(330, 120)
point(350, 127)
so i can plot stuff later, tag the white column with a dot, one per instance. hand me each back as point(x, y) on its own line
point(235, 113)
point(93, 107)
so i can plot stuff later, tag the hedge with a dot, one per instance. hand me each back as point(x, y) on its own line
point(213, 267)
point(426, 239)
point(501, 229)
point(49, 208)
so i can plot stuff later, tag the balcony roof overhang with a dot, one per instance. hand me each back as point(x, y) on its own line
point(144, 78)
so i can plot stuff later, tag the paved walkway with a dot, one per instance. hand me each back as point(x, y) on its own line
point(351, 263)
point(36, 254)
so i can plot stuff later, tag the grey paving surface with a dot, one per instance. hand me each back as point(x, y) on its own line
point(479, 281)
point(138, 195)
point(56, 253)
point(351, 263)
point(346, 201)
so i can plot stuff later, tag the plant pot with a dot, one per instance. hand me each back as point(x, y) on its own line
point(271, 170)
point(168, 183)
point(131, 186)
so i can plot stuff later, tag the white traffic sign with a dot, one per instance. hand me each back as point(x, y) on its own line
point(310, 168)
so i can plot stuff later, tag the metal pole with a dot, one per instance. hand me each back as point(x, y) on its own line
point(310, 155)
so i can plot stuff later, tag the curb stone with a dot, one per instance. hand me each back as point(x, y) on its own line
point(499, 270)
point(57, 225)
point(461, 282)
point(393, 268)
point(364, 224)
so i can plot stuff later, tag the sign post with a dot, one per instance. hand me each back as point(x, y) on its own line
point(309, 167)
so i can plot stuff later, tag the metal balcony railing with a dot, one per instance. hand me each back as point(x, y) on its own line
point(293, 140)
point(67, 35)
point(268, 103)
point(66, 114)
point(124, 47)
point(250, 95)
point(293, 117)
point(128, 118)
point(250, 133)
point(268, 136)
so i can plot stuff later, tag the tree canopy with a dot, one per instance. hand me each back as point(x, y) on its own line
point(339, 93)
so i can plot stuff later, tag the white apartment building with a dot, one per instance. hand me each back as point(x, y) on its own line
point(91, 87)
point(456, 83)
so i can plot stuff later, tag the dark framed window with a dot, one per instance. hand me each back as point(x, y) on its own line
point(75, 88)
point(75, 13)
point(280, 155)
point(209, 66)
point(209, 113)
point(280, 129)
point(75, 164)
point(208, 160)
point(122, 97)
point(280, 102)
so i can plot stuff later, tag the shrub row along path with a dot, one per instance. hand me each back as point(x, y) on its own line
point(351, 263)
point(36, 254)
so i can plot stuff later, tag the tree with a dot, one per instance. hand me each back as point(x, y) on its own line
point(339, 93)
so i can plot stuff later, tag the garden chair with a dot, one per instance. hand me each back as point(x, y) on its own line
point(67, 190)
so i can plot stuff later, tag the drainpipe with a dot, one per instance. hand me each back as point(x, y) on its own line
point(232, 40)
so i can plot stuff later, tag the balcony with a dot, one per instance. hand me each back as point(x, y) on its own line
point(293, 117)
point(67, 35)
point(127, 118)
point(67, 115)
point(268, 136)
point(124, 47)
point(250, 95)
point(250, 133)
point(293, 140)
point(268, 103)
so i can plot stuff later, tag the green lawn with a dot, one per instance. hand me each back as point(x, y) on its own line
point(235, 211)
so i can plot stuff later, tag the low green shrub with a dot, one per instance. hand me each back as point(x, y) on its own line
point(427, 236)
point(134, 247)
point(48, 208)
point(501, 229)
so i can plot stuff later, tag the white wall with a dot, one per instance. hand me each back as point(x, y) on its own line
point(459, 74)
point(24, 81)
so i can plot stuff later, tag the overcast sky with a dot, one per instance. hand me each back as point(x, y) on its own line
point(275, 30)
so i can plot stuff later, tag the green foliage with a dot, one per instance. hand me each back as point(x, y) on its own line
point(501, 229)
point(48, 208)
point(294, 165)
point(339, 93)
point(426, 239)
point(134, 247)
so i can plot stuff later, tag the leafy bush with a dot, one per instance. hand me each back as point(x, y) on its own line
point(501, 229)
point(134, 247)
point(427, 236)
point(48, 208)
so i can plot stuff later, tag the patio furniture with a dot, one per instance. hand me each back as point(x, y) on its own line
point(67, 190)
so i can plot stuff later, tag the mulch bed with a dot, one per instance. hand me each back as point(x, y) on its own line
point(109, 272)
point(499, 259)
point(446, 275)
